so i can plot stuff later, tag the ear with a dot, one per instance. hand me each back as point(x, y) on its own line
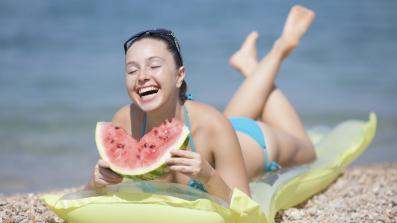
point(180, 76)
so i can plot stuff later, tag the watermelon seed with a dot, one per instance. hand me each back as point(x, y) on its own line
point(138, 156)
point(145, 145)
point(151, 146)
point(156, 132)
point(120, 146)
point(116, 127)
point(112, 141)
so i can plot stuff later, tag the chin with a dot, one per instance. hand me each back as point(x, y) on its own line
point(149, 107)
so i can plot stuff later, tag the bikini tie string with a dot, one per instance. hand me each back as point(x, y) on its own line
point(189, 97)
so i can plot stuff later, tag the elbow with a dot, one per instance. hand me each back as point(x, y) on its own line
point(306, 153)
point(310, 153)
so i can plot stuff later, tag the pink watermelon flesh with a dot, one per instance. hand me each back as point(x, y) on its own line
point(129, 156)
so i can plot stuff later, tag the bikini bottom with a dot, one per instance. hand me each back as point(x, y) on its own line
point(252, 129)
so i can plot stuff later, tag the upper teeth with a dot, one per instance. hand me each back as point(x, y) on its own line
point(146, 89)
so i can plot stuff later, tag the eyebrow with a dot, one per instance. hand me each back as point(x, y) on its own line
point(155, 57)
point(150, 58)
point(132, 63)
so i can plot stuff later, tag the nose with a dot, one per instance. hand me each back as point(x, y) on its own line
point(143, 75)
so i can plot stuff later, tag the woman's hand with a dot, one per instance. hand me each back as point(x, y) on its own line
point(103, 176)
point(191, 164)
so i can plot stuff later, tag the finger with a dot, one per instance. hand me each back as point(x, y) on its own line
point(108, 173)
point(113, 181)
point(109, 180)
point(183, 153)
point(103, 163)
point(100, 183)
point(182, 169)
point(179, 161)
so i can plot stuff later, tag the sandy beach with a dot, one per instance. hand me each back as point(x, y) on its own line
point(360, 194)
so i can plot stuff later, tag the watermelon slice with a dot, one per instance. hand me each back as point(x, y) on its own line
point(144, 158)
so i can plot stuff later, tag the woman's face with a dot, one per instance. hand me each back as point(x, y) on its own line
point(152, 78)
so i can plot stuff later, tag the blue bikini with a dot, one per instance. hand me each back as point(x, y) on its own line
point(252, 129)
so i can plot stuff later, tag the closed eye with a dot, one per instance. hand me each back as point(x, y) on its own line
point(132, 72)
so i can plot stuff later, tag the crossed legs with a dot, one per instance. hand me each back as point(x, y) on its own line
point(258, 98)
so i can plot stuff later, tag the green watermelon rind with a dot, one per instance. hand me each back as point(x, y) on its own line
point(155, 169)
point(160, 171)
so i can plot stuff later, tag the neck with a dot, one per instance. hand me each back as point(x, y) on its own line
point(168, 111)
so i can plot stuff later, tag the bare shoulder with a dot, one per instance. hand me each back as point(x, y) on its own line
point(207, 116)
point(122, 117)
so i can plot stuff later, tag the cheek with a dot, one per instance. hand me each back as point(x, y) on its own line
point(130, 83)
point(169, 77)
point(162, 78)
point(129, 80)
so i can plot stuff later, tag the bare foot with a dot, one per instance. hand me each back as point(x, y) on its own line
point(245, 59)
point(298, 22)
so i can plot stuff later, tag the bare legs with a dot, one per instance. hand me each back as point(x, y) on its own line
point(245, 59)
point(259, 99)
point(298, 22)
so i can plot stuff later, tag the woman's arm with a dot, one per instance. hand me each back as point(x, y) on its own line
point(229, 162)
point(228, 171)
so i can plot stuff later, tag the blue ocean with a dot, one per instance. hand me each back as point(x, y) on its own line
point(61, 71)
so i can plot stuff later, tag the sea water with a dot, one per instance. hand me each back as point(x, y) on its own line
point(61, 71)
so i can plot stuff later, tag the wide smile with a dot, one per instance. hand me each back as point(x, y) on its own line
point(147, 93)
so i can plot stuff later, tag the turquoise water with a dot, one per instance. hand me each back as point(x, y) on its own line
point(61, 71)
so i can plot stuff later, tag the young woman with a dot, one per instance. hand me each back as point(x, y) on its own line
point(214, 162)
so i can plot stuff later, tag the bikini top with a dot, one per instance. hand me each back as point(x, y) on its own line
point(192, 182)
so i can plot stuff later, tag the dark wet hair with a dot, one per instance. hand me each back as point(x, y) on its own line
point(169, 38)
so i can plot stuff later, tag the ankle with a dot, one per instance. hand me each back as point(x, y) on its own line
point(283, 47)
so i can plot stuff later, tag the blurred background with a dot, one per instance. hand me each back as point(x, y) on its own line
point(61, 71)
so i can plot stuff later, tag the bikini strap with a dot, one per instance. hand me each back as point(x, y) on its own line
point(270, 166)
point(143, 129)
point(188, 125)
point(189, 96)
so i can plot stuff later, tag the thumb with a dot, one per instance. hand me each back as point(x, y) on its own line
point(103, 164)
